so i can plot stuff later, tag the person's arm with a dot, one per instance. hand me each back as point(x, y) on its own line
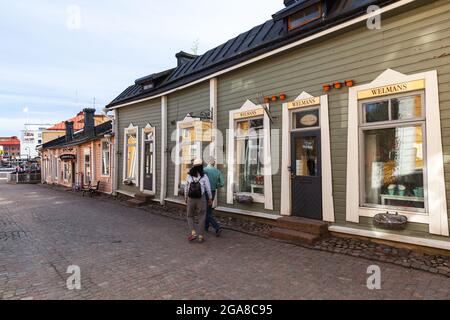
point(208, 187)
point(186, 188)
point(221, 181)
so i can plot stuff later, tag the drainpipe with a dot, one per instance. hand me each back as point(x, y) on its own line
point(115, 159)
point(163, 149)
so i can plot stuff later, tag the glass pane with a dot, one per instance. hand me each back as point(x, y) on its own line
point(306, 15)
point(376, 111)
point(394, 167)
point(406, 107)
point(249, 167)
point(306, 157)
point(306, 119)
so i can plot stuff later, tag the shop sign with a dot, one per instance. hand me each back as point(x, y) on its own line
point(67, 157)
point(304, 103)
point(249, 113)
point(309, 120)
point(392, 89)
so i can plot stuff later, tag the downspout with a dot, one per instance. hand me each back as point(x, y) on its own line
point(115, 172)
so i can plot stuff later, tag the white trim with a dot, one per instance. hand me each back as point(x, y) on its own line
point(437, 200)
point(131, 127)
point(142, 166)
point(213, 102)
point(276, 51)
point(268, 192)
point(115, 148)
point(163, 149)
point(236, 211)
point(327, 176)
point(101, 158)
point(439, 244)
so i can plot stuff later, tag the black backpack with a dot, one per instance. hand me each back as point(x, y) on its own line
point(195, 190)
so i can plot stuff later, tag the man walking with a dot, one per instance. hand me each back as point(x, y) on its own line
point(216, 181)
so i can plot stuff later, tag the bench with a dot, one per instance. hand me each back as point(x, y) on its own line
point(91, 189)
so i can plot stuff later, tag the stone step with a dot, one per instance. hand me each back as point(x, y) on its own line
point(315, 227)
point(293, 236)
point(135, 203)
point(143, 197)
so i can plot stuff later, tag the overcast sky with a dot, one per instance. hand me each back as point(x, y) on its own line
point(53, 64)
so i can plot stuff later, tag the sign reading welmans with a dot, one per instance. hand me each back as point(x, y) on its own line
point(304, 103)
point(249, 114)
point(392, 89)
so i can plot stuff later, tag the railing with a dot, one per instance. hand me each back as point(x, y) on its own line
point(31, 177)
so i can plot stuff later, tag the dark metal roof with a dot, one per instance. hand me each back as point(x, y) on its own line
point(261, 39)
point(80, 137)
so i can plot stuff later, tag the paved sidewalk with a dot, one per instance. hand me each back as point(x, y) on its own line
point(128, 253)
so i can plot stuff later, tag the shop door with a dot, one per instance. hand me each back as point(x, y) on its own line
point(306, 175)
point(148, 166)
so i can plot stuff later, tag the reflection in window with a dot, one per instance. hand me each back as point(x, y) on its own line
point(190, 150)
point(394, 163)
point(249, 156)
point(305, 16)
point(131, 162)
point(105, 158)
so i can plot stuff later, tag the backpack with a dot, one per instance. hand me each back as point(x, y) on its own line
point(195, 189)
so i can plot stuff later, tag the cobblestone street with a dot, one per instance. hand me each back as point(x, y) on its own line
point(128, 253)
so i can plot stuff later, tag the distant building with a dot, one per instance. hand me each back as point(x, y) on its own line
point(9, 147)
point(31, 138)
point(59, 129)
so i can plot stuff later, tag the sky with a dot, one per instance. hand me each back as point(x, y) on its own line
point(56, 57)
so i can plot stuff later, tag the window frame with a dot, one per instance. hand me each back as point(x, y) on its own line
point(290, 18)
point(108, 147)
point(130, 130)
point(292, 113)
point(87, 152)
point(391, 124)
point(257, 197)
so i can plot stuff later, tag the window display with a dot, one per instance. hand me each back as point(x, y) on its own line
point(393, 153)
point(249, 156)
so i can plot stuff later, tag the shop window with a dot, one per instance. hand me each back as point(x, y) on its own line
point(131, 156)
point(305, 16)
point(190, 149)
point(106, 158)
point(393, 152)
point(249, 151)
point(87, 166)
point(306, 119)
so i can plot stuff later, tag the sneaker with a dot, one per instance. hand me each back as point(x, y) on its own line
point(192, 237)
point(201, 239)
point(219, 232)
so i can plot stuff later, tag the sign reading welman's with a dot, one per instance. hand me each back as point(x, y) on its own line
point(304, 103)
point(392, 89)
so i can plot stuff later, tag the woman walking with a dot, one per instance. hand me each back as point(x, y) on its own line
point(198, 195)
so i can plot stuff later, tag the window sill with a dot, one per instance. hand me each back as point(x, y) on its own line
point(257, 198)
point(416, 217)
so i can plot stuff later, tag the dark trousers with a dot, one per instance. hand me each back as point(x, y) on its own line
point(210, 220)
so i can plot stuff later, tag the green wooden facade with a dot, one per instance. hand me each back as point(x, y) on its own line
point(412, 41)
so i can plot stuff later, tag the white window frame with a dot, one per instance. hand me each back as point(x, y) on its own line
point(153, 129)
point(103, 175)
point(436, 216)
point(127, 131)
point(184, 124)
point(87, 151)
point(267, 199)
point(327, 176)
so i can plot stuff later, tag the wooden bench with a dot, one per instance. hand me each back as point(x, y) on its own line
point(91, 189)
